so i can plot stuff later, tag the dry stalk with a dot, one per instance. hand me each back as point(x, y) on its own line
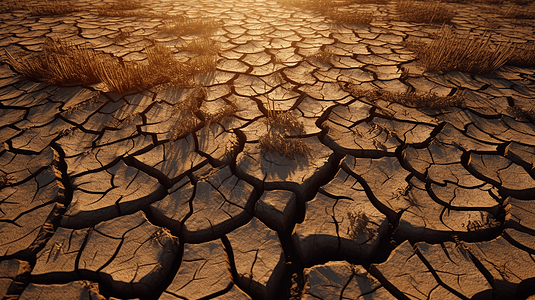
point(183, 25)
point(358, 224)
point(412, 99)
point(62, 63)
point(47, 8)
point(424, 12)
point(349, 17)
point(462, 52)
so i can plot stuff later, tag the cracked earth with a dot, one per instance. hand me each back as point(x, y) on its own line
point(393, 202)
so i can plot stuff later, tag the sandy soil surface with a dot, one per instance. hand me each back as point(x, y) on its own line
point(100, 200)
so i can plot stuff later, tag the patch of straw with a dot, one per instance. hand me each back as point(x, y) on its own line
point(424, 12)
point(62, 63)
point(350, 17)
point(462, 52)
point(184, 25)
point(44, 9)
point(277, 142)
point(411, 99)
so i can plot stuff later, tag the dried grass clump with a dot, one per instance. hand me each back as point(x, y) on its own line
point(412, 99)
point(523, 55)
point(322, 5)
point(201, 46)
point(122, 5)
point(182, 25)
point(186, 124)
point(322, 56)
point(522, 2)
point(4, 181)
point(515, 12)
point(133, 13)
point(358, 224)
point(284, 122)
point(62, 63)
point(278, 140)
point(45, 9)
point(187, 111)
point(227, 110)
point(462, 52)
point(424, 12)
point(350, 17)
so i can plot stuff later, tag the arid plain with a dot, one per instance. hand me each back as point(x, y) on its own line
point(264, 149)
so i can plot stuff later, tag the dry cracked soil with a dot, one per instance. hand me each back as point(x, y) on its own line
point(99, 201)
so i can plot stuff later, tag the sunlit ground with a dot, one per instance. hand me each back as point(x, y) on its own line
point(261, 146)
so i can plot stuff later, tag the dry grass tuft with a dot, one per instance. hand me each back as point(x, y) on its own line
point(278, 140)
point(4, 181)
point(522, 2)
point(122, 5)
point(412, 99)
point(462, 52)
point(523, 55)
point(133, 13)
point(284, 122)
point(358, 224)
point(187, 112)
point(424, 12)
point(226, 111)
point(515, 12)
point(201, 46)
point(323, 5)
point(45, 9)
point(350, 17)
point(62, 63)
point(183, 25)
point(322, 56)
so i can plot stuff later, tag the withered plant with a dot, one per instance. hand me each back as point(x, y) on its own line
point(424, 12)
point(412, 99)
point(181, 25)
point(122, 5)
point(62, 63)
point(349, 17)
point(358, 224)
point(462, 52)
point(322, 56)
point(187, 111)
point(322, 5)
point(280, 125)
point(46, 8)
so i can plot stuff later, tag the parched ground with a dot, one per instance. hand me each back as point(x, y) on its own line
point(98, 201)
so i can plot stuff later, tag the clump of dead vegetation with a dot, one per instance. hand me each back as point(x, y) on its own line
point(191, 115)
point(62, 63)
point(331, 9)
point(424, 12)
point(281, 125)
point(515, 12)
point(187, 111)
point(129, 8)
point(470, 53)
point(322, 5)
point(4, 181)
point(322, 55)
point(122, 5)
point(358, 225)
point(412, 99)
point(181, 25)
point(349, 17)
point(46, 8)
